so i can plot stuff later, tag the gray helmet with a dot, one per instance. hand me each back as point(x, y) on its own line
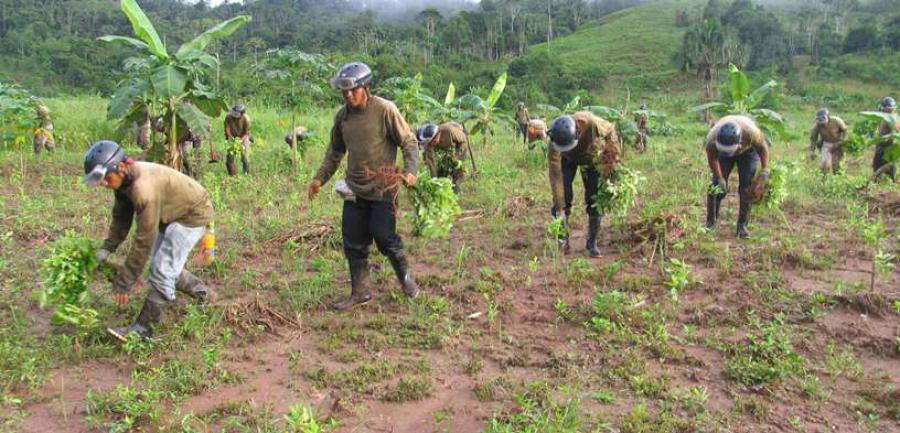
point(888, 102)
point(563, 136)
point(351, 76)
point(102, 158)
point(520, 105)
point(238, 110)
point(643, 106)
point(728, 137)
point(822, 115)
point(426, 132)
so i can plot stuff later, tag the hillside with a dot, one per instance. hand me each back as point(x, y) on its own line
point(635, 46)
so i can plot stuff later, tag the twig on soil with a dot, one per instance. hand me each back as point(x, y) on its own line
point(255, 313)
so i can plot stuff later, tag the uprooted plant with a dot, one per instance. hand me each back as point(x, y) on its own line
point(435, 206)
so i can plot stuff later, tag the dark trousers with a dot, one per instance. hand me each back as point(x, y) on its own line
point(879, 160)
point(746, 164)
point(366, 220)
point(591, 179)
point(523, 129)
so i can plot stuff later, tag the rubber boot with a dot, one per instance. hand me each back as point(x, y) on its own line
point(593, 231)
point(149, 316)
point(712, 210)
point(743, 219)
point(404, 276)
point(191, 285)
point(359, 286)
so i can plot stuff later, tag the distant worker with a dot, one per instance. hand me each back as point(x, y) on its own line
point(642, 119)
point(880, 164)
point(590, 143)
point(445, 148)
point(144, 128)
point(171, 212)
point(735, 141)
point(537, 131)
point(522, 119)
point(237, 126)
point(369, 130)
point(828, 135)
point(188, 144)
point(299, 135)
point(43, 133)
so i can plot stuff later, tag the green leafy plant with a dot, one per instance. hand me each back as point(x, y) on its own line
point(680, 277)
point(776, 189)
point(557, 228)
point(481, 113)
point(234, 146)
point(16, 110)
point(410, 96)
point(173, 84)
point(300, 419)
point(68, 272)
point(618, 193)
point(892, 152)
point(435, 205)
point(747, 102)
point(767, 356)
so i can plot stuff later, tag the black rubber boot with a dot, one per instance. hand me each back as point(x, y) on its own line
point(593, 231)
point(407, 282)
point(743, 219)
point(149, 316)
point(191, 285)
point(359, 286)
point(712, 210)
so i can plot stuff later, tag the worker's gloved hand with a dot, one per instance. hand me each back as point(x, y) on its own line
point(102, 255)
point(765, 175)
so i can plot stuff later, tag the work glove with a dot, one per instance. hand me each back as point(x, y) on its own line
point(102, 255)
point(718, 184)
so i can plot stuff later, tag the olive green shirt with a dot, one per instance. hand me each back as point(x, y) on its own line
point(237, 127)
point(452, 142)
point(835, 131)
point(886, 128)
point(370, 137)
point(751, 135)
point(598, 136)
point(157, 196)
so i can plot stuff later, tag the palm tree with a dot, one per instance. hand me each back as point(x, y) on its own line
point(706, 48)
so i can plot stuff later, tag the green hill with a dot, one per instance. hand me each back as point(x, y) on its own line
point(635, 47)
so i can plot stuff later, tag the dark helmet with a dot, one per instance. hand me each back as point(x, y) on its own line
point(426, 132)
point(822, 115)
point(520, 105)
point(238, 110)
point(643, 106)
point(888, 102)
point(728, 137)
point(563, 137)
point(351, 76)
point(102, 158)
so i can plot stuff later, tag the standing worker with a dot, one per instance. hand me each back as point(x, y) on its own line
point(237, 126)
point(880, 165)
point(735, 141)
point(642, 118)
point(445, 150)
point(43, 133)
point(828, 134)
point(171, 211)
point(590, 143)
point(369, 130)
point(522, 119)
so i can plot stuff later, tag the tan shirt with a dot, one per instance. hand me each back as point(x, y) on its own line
point(835, 131)
point(452, 142)
point(237, 126)
point(751, 135)
point(522, 115)
point(370, 137)
point(886, 128)
point(157, 196)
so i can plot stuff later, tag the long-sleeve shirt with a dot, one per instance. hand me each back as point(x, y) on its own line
point(886, 128)
point(370, 138)
point(835, 131)
point(522, 115)
point(451, 142)
point(156, 196)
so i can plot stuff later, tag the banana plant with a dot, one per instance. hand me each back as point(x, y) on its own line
point(552, 111)
point(747, 102)
point(482, 113)
point(174, 84)
point(410, 96)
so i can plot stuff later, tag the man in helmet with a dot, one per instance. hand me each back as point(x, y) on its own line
point(880, 165)
point(735, 141)
point(171, 212)
point(642, 119)
point(587, 142)
point(522, 119)
point(237, 126)
point(828, 134)
point(445, 150)
point(43, 133)
point(369, 130)
point(299, 135)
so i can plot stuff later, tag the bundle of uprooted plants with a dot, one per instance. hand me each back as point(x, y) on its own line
point(313, 236)
point(387, 180)
point(617, 193)
point(435, 206)
point(255, 315)
point(68, 272)
point(663, 227)
point(775, 191)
